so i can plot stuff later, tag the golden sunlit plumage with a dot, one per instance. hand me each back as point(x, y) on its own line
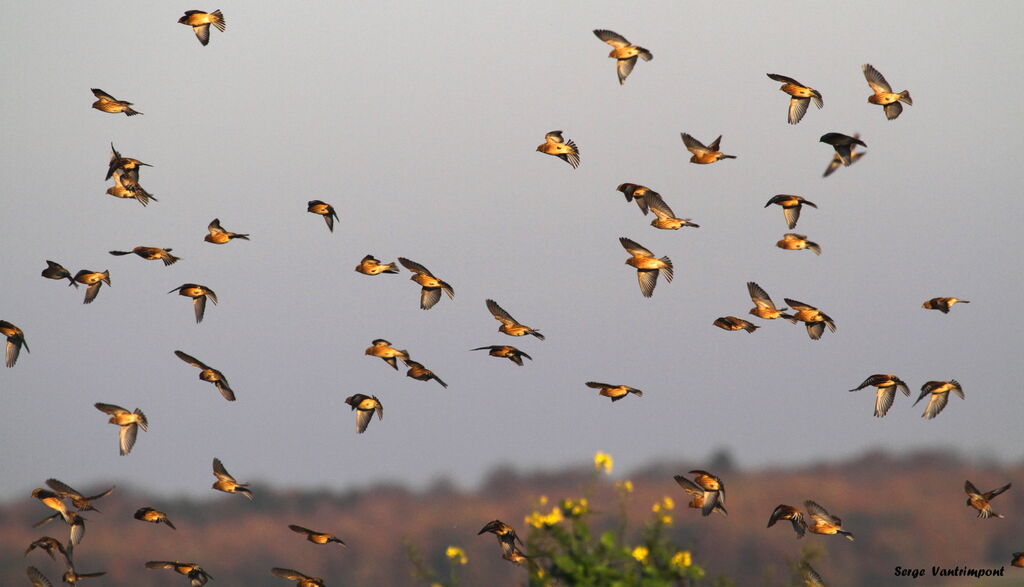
point(702, 154)
point(795, 517)
point(301, 579)
point(648, 267)
point(887, 385)
point(420, 373)
point(323, 209)
point(707, 491)
point(666, 218)
point(200, 22)
point(733, 323)
point(980, 501)
point(371, 266)
point(505, 351)
point(566, 150)
point(615, 392)
point(510, 325)
point(813, 318)
point(107, 103)
point(81, 502)
point(314, 536)
point(218, 236)
point(128, 424)
point(431, 286)
point(764, 307)
point(792, 241)
point(95, 280)
point(791, 206)
point(226, 483)
point(151, 254)
point(883, 94)
point(823, 522)
point(800, 96)
point(937, 393)
point(365, 407)
point(623, 52)
point(15, 342)
point(199, 294)
point(207, 373)
point(383, 349)
point(943, 305)
point(148, 514)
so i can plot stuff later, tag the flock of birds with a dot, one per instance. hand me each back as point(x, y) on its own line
point(707, 491)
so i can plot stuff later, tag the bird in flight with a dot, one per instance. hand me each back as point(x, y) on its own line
point(980, 501)
point(887, 385)
point(666, 218)
point(323, 209)
point(128, 424)
point(704, 155)
point(505, 351)
point(943, 305)
point(566, 150)
point(615, 392)
point(836, 162)
point(843, 144)
point(883, 94)
point(107, 103)
point(814, 319)
point(383, 349)
point(823, 522)
point(431, 286)
point(795, 517)
point(218, 236)
point(420, 373)
point(791, 206)
point(95, 280)
point(207, 373)
point(764, 307)
point(937, 393)
point(648, 267)
point(792, 241)
point(510, 325)
point(198, 293)
point(799, 97)
point(623, 52)
point(316, 537)
point(372, 266)
point(15, 340)
point(707, 490)
point(365, 406)
point(226, 483)
point(200, 22)
point(148, 514)
point(151, 254)
point(733, 323)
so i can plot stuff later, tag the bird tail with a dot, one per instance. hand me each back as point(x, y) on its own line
point(106, 277)
point(727, 157)
point(848, 535)
point(815, 247)
point(170, 259)
point(667, 270)
point(391, 268)
point(788, 318)
point(218, 20)
point(751, 328)
point(905, 98)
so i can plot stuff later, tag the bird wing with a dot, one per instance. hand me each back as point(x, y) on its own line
point(648, 278)
point(797, 109)
point(657, 205)
point(191, 360)
point(499, 313)
point(612, 38)
point(220, 472)
point(875, 79)
point(429, 297)
point(110, 409)
point(799, 305)
point(634, 248)
point(414, 267)
point(760, 297)
point(784, 79)
point(126, 437)
point(623, 67)
point(693, 145)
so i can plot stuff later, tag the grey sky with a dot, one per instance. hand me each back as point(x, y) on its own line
point(418, 122)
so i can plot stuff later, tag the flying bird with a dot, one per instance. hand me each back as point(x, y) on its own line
point(836, 162)
point(372, 266)
point(151, 254)
point(937, 393)
point(810, 576)
point(107, 103)
point(943, 305)
point(198, 293)
point(123, 166)
point(200, 22)
point(57, 271)
point(566, 150)
point(148, 514)
point(764, 307)
point(733, 323)
point(195, 573)
point(883, 94)
point(53, 501)
point(48, 545)
point(792, 241)
point(623, 52)
point(420, 373)
point(648, 267)
point(615, 392)
point(800, 96)
point(316, 537)
point(302, 580)
point(887, 385)
point(815, 320)
point(126, 186)
point(71, 576)
point(506, 535)
point(791, 206)
point(37, 578)
point(95, 280)
point(431, 286)
point(666, 218)
point(128, 423)
point(226, 483)
point(323, 209)
point(207, 373)
point(701, 154)
point(795, 517)
point(383, 349)
point(510, 325)
point(505, 351)
point(707, 491)
point(843, 144)
point(365, 406)
point(1018, 559)
point(81, 502)
point(219, 236)
point(15, 340)
point(980, 501)
point(823, 522)
point(637, 193)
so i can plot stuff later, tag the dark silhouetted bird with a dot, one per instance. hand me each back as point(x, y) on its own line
point(506, 352)
point(836, 162)
point(56, 271)
point(843, 144)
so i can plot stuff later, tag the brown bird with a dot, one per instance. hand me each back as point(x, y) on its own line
point(980, 501)
point(71, 576)
point(383, 349)
point(151, 254)
point(49, 545)
point(814, 319)
point(432, 287)
point(701, 154)
point(623, 52)
point(733, 323)
point(76, 530)
point(764, 307)
point(53, 501)
point(792, 241)
point(510, 325)
point(636, 193)
point(800, 97)
point(1018, 559)
point(791, 206)
point(219, 236)
point(648, 267)
point(128, 423)
point(837, 161)
point(365, 406)
point(38, 578)
point(148, 514)
point(505, 351)
point(823, 522)
point(939, 395)
point(195, 573)
point(107, 103)
point(615, 392)
point(200, 22)
point(810, 576)
point(95, 280)
point(706, 498)
point(795, 517)
point(81, 502)
point(420, 373)
point(15, 340)
point(566, 150)
point(207, 373)
point(57, 271)
point(883, 94)
point(666, 218)
point(302, 579)
point(123, 166)
point(943, 304)
point(843, 144)
point(125, 186)
point(515, 556)
point(371, 266)
point(324, 209)
point(887, 385)
point(198, 293)
point(316, 537)
point(506, 534)
point(226, 483)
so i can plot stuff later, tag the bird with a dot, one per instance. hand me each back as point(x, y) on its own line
point(791, 206)
point(734, 323)
point(510, 325)
point(810, 576)
point(126, 186)
point(505, 351)
point(148, 514)
point(701, 154)
point(314, 536)
point(795, 517)
point(943, 305)
point(76, 530)
point(420, 373)
point(151, 254)
point(71, 576)
point(800, 96)
point(615, 392)
point(843, 144)
point(372, 266)
point(48, 545)
point(506, 535)
point(53, 501)
point(226, 483)
point(383, 349)
point(432, 287)
point(814, 319)
point(121, 166)
point(939, 395)
point(1017, 560)
point(707, 491)
point(887, 385)
point(823, 522)
point(128, 423)
point(302, 579)
point(648, 267)
point(55, 270)
point(764, 307)
point(324, 209)
point(195, 573)
point(200, 22)
point(980, 501)
point(80, 501)
point(198, 293)
point(836, 162)
point(636, 193)
point(623, 52)
point(207, 373)
point(364, 407)
point(792, 241)
point(883, 94)
point(566, 150)
point(95, 280)
point(107, 103)
point(219, 236)
point(15, 340)
point(666, 218)
point(37, 578)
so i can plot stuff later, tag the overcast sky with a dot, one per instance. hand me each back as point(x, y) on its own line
point(419, 123)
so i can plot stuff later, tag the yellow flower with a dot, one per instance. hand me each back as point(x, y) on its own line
point(667, 503)
point(640, 553)
point(681, 559)
point(456, 554)
point(625, 486)
point(603, 462)
point(575, 508)
point(666, 520)
point(539, 520)
point(543, 500)
point(656, 507)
